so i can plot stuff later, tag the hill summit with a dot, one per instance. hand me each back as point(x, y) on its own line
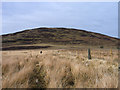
point(57, 36)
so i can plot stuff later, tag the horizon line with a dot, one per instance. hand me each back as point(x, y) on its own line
point(60, 27)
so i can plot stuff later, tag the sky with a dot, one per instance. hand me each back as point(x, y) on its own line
point(100, 17)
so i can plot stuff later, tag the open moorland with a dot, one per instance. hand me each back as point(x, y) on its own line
point(58, 58)
point(60, 69)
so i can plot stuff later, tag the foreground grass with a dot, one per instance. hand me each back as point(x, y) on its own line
point(59, 69)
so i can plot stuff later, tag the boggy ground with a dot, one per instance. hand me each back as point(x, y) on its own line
point(60, 69)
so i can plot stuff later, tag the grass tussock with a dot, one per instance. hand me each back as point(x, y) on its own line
point(59, 69)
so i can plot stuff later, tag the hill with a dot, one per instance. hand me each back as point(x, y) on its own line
point(57, 36)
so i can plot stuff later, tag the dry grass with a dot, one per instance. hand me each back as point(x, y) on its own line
point(60, 69)
point(0, 78)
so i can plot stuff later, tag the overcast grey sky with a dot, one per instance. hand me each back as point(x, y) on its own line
point(100, 17)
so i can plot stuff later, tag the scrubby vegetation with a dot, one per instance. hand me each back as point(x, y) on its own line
point(59, 36)
point(60, 69)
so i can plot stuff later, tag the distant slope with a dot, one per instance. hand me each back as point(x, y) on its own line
point(61, 36)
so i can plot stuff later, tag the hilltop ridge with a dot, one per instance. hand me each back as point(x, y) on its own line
point(57, 36)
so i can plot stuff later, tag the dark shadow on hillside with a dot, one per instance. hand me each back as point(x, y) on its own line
point(24, 47)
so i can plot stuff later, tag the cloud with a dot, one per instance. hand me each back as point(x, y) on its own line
point(96, 17)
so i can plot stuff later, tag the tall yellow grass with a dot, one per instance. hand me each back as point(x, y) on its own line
point(59, 69)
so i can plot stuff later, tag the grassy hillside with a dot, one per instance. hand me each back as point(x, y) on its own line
point(57, 36)
point(63, 63)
